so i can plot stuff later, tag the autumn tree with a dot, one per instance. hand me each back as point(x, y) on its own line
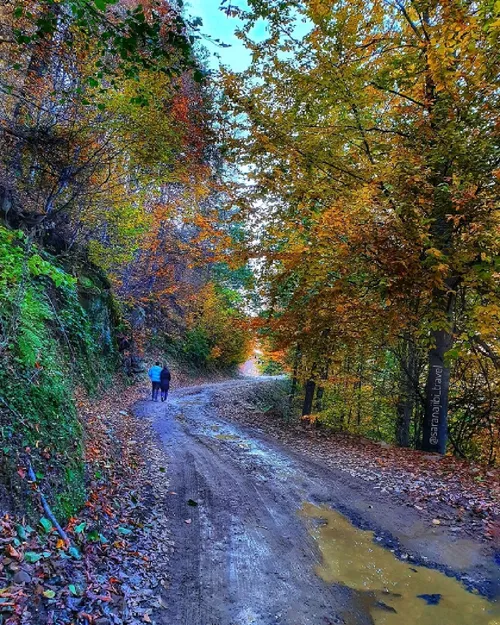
point(87, 92)
point(371, 135)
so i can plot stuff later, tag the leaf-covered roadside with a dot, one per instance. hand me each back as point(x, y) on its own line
point(446, 491)
point(113, 570)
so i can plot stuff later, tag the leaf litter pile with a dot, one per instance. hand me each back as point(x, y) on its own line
point(112, 568)
point(448, 491)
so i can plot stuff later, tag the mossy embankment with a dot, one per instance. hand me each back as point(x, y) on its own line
point(56, 333)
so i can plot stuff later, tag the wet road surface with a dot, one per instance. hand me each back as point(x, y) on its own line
point(246, 551)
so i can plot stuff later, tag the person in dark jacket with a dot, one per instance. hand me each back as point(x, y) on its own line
point(164, 382)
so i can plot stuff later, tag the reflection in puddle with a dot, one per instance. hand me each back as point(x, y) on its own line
point(397, 592)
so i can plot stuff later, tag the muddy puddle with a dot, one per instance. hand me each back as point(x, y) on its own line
point(255, 451)
point(227, 437)
point(394, 591)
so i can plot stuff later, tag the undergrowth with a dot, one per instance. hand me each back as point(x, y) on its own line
point(48, 346)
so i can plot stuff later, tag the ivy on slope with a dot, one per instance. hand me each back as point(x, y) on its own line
point(48, 346)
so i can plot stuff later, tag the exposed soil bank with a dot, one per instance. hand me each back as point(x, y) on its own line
point(245, 554)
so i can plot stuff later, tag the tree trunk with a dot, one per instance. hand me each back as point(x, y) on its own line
point(308, 399)
point(405, 411)
point(406, 401)
point(296, 361)
point(320, 391)
point(293, 388)
point(359, 386)
point(435, 426)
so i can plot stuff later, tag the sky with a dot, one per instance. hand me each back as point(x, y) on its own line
point(219, 26)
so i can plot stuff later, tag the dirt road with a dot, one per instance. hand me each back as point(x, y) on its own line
point(249, 544)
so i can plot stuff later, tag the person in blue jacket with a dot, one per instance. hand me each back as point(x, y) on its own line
point(154, 375)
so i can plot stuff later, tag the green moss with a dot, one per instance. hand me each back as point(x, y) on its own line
point(50, 344)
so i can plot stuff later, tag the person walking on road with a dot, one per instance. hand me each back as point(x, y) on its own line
point(164, 382)
point(154, 375)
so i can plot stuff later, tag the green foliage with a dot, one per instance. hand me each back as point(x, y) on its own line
point(48, 346)
point(39, 267)
point(134, 41)
point(273, 399)
point(215, 337)
point(268, 366)
point(125, 225)
point(217, 323)
point(196, 347)
point(239, 278)
point(33, 314)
